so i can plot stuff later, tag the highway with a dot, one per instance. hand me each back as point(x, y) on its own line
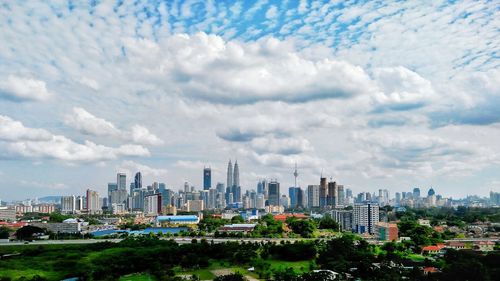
point(179, 240)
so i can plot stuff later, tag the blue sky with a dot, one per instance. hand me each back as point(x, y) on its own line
point(376, 94)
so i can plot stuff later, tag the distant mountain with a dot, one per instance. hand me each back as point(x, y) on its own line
point(50, 199)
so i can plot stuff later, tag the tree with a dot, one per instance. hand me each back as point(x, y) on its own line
point(237, 219)
point(27, 232)
point(4, 232)
point(327, 222)
point(304, 228)
point(231, 277)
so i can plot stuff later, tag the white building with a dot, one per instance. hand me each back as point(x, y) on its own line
point(313, 196)
point(68, 204)
point(365, 218)
point(93, 202)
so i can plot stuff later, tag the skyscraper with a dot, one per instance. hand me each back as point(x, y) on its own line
point(236, 174)
point(93, 202)
point(366, 216)
point(274, 193)
point(313, 196)
point(340, 195)
point(332, 193)
point(121, 181)
point(229, 174)
point(416, 193)
point(207, 178)
point(138, 180)
point(323, 192)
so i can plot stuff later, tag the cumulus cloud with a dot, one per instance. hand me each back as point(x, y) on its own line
point(88, 124)
point(131, 167)
point(283, 146)
point(206, 67)
point(38, 143)
point(18, 88)
point(12, 130)
point(401, 89)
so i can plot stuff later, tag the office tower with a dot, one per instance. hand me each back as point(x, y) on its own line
point(212, 198)
point(398, 197)
point(220, 187)
point(313, 196)
point(68, 204)
point(111, 188)
point(262, 188)
point(323, 192)
point(284, 201)
point(332, 194)
point(203, 196)
point(495, 198)
point(368, 196)
point(207, 178)
point(236, 174)
point(348, 193)
point(365, 218)
point(93, 202)
point(260, 202)
point(153, 204)
point(236, 191)
point(195, 205)
point(292, 194)
point(416, 193)
point(340, 195)
point(344, 218)
point(300, 198)
point(131, 188)
point(431, 192)
point(274, 193)
point(121, 181)
point(229, 182)
point(138, 180)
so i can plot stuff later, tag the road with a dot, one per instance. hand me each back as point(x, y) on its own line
point(180, 240)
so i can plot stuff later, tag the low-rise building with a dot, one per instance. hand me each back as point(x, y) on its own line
point(456, 245)
point(181, 219)
point(7, 213)
point(387, 231)
point(433, 250)
point(60, 227)
point(484, 246)
point(238, 227)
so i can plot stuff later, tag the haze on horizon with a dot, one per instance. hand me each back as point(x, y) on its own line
point(374, 94)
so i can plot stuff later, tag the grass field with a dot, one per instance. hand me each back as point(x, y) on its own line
point(203, 274)
point(299, 266)
point(137, 277)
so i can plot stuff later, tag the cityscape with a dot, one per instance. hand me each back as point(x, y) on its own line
point(256, 140)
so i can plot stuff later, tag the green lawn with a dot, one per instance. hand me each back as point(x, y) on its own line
point(416, 257)
point(299, 266)
point(137, 277)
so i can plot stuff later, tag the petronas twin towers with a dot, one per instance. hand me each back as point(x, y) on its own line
point(233, 181)
point(233, 176)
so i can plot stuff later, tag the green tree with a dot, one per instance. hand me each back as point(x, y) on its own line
point(4, 232)
point(304, 228)
point(27, 232)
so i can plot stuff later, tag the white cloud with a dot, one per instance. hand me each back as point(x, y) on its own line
point(131, 167)
point(38, 143)
point(87, 123)
point(21, 88)
point(12, 130)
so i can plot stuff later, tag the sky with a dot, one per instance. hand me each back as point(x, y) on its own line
point(374, 94)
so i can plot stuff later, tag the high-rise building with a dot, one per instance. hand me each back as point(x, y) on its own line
point(292, 194)
point(93, 202)
point(313, 196)
point(274, 193)
point(323, 192)
point(111, 188)
point(344, 218)
point(236, 174)
point(220, 187)
point(138, 180)
point(416, 193)
point(68, 204)
point(153, 204)
point(121, 181)
point(340, 195)
point(195, 205)
point(207, 178)
point(332, 194)
point(229, 182)
point(365, 218)
point(284, 201)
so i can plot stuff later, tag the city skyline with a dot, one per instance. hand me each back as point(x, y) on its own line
point(377, 95)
